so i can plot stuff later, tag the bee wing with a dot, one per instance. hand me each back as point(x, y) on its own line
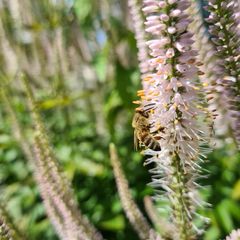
point(136, 142)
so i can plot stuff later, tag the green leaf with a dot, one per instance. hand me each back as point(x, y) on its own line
point(101, 62)
point(213, 233)
point(236, 190)
point(234, 209)
point(5, 141)
point(87, 167)
point(11, 155)
point(111, 109)
point(124, 84)
point(83, 9)
point(224, 216)
point(114, 224)
point(62, 101)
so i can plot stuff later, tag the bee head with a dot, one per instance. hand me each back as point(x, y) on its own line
point(142, 113)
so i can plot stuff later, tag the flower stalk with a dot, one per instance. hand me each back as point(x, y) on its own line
point(224, 29)
point(166, 229)
point(8, 230)
point(55, 188)
point(32, 158)
point(170, 99)
point(17, 129)
point(140, 36)
point(213, 71)
point(133, 213)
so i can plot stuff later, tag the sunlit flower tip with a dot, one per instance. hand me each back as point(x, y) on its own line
point(170, 53)
point(156, 29)
point(147, 78)
point(140, 93)
point(172, 30)
point(172, 1)
point(136, 102)
point(164, 17)
point(175, 13)
point(162, 4)
point(158, 43)
point(150, 7)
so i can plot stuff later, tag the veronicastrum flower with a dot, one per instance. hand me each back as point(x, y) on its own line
point(224, 29)
point(213, 69)
point(170, 98)
point(140, 36)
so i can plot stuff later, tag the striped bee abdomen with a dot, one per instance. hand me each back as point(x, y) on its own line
point(142, 134)
point(148, 140)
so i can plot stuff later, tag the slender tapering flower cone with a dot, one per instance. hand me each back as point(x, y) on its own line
point(8, 230)
point(58, 178)
point(213, 71)
point(54, 186)
point(140, 36)
point(132, 211)
point(66, 218)
point(74, 225)
point(170, 99)
point(16, 127)
point(54, 215)
point(224, 30)
point(235, 235)
point(166, 229)
point(20, 137)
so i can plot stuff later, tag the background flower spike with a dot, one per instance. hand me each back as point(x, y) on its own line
point(133, 213)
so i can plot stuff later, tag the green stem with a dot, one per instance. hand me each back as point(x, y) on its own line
point(181, 200)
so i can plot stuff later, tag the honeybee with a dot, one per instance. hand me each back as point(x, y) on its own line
point(142, 135)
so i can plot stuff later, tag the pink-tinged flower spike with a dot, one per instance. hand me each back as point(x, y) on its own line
point(235, 235)
point(166, 229)
point(225, 37)
point(54, 186)
point(213, 71)
point(8, 230)
point(140, 36)
point(171, 101)
point(133, 213)
point(74, 225)
point(27, 150)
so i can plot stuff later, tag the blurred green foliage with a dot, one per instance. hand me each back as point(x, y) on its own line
point(84, 115)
